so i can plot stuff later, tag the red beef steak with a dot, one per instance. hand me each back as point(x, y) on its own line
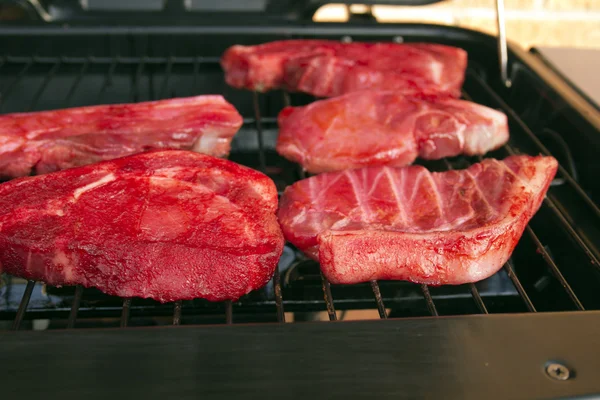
point(375, 127)
point(383, 223)
point(327, 68)
point(167, 225)
point(48, 141)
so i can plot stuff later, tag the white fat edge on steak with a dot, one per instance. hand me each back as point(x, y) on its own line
point(91, 186)
point(68, 263)
point(206, 143)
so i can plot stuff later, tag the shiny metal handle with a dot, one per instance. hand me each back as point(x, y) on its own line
point(502, 47)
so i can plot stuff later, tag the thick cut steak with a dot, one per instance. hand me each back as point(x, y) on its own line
point(410, 224)
point(48, 141)
point(373, 127)
point(328, 68)
point(167, 225)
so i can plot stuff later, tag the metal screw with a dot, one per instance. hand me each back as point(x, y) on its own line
point(346, 39)
point(558, 371)
point(398, 39)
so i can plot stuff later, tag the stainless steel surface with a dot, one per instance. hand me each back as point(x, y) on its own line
point(578, 66)
point(502, 46)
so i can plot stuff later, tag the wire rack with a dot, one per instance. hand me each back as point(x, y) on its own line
point(558, 220)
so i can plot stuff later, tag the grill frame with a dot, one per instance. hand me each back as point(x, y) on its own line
point(140, 45)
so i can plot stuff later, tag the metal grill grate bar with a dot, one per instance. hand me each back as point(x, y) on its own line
point(263, 167)
point(328, 299)
point(23, 305)
point(228, 312)
point(75, 85)
point(508, 267)
point(177, 312)
point(165, 85)
point(196, 71)
point(259, 133)
point(515, 117)
point(75, 307)
point(547, 258)
point(287, 101)
point(379, 300)
point(136, 81)
point(125, 313)
point(554, 269)
point(478, 299)
point(107, 81)
point(4, 93)
point(549, 201)
point(474, 291)
point(429, 300)
point(44, 84)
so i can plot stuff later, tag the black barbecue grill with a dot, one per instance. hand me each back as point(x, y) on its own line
point(555, 267)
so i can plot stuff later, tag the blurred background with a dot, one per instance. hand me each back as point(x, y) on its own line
point(564, 23)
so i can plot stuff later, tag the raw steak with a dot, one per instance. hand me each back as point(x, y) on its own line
point(167, 225)
point(42, 142)
point(409, 224)
point(329, 68)
point(376, 127)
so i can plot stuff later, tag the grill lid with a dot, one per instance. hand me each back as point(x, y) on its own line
point(151, 11)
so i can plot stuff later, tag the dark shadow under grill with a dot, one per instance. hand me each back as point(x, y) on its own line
point(555, 266)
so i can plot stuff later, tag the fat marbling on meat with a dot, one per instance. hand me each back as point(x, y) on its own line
point(48, 141)
point(328, 68)
point(383, 223)
point(168, 225)
point(375, 127)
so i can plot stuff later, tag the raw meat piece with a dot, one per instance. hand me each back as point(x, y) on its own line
point(167, 225)
point(328, 68)
point(377, 127)
point(42, 142)
point(409, 224)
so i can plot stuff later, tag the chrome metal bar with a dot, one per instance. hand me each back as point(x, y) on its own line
point(502, 46)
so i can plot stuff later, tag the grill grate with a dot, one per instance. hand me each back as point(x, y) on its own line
point(33, 83)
